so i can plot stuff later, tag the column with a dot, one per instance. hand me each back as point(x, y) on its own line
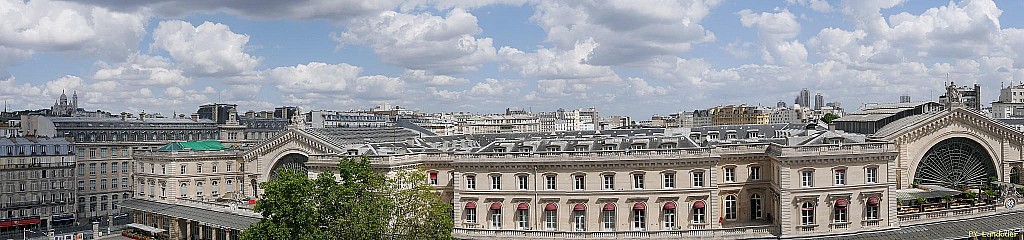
point(188, 230)
point(213, 231)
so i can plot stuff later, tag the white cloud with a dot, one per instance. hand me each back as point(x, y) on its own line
point(816, 5)
point(641, 88)
point(774, 30)
point(210, 49)
point(627, 31)
point(423, 41)
point(555, 63)
point(430, 79)
point(316, 77)
point(45, 26)
point(140, 69)
point(335, 10)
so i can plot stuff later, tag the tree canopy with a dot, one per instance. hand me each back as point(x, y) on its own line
point(355, 202)
point(829, 117)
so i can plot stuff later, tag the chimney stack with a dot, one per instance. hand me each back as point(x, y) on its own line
point(195, 117)
point(142, 115)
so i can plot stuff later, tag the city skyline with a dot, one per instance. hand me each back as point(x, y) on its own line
point(624, 59)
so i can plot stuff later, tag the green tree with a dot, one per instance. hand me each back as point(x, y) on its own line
point(357, 202)
point(828, 118)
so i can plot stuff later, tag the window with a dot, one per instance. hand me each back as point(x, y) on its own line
point(669, 219)
point(124, 166)
point(698, 179)
point(639, 221)
point(840, 176)
point(81, 185)
point(199, 189)
point(871, 175)
point(124, 182)
point(214, 168)
point(669, 180)
point(608, 218)
point(524, 182)
point(730, 207)
point(92, 185)
point(495, 182)
point(839, 214)
point(638, 181)
point(92, 168)
point(495, 218)
point(549, 181)
point(730, 174)
point(470, 182)
point(183, 168)
point(199, 167)
point(871, 212)
point(807, 178)
point(550, 220)
point(807, 213)
point(228, 166)
point(523, 219)
point(81, 169)
point(609, 181)
point(471, 215)
point(214, 190)
point(579, 220)
point(113, 183)
point(755, 173)
point(578, 182)
point(698, 212)
point(755, 206)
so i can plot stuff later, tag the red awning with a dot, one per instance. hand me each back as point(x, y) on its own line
point(471, 205)
point(433, 175)
point(873, 200)
point(579, 207)
point(609, 207)
point(841, 203)
point(639, 206)
point(21, 222)
point(496, 206)
point(670, 206)
point(840, 170)
point(523, 206)
point(698, 204)
point(550, 207)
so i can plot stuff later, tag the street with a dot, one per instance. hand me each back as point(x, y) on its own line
point(67, 230)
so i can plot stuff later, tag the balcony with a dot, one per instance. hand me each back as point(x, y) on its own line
point(949, 214)
point(766, 231)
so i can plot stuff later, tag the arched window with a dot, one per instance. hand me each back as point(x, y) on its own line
point(755, 206)
point(668, 216)
point(807, 213)
point(698, 212)
point(523, 216)
point(495, 215)
point(839, 211)
point(183, 190)
point(730, 207)
point(550, 217)
point(871, 213)
point(608, 217)
point(639, 216)
point(579, 217)
point(230, 185)
point(199, 189)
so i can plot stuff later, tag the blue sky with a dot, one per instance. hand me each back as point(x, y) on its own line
point(623, 57)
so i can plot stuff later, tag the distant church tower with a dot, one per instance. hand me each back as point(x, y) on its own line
point(61, 107)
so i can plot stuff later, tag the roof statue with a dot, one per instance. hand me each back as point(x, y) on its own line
point(953, 96)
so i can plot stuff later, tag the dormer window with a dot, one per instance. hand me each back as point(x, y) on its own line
point(666, 145)
point(713, 135)
point(499, 149)
point(608, 147)
point(637, 146)
point(835, 141)
point(525, 149)
point(552, 148)
point(580, 148)
point(751, 134)
point(730, 136)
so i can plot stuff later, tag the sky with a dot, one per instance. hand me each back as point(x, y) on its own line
point(634, 58)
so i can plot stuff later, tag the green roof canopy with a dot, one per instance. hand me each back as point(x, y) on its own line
point(208, 145)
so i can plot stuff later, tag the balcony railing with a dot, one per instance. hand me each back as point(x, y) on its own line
point(947, 214)
point(831, 149)
point(745, 232)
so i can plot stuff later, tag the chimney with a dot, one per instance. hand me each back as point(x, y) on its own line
point(124, 115)
point(195, 117)
point(142, 116)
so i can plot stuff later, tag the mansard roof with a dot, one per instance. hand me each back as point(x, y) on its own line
point(208, 145)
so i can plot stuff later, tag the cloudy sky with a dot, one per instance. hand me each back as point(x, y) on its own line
point(625, 57)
